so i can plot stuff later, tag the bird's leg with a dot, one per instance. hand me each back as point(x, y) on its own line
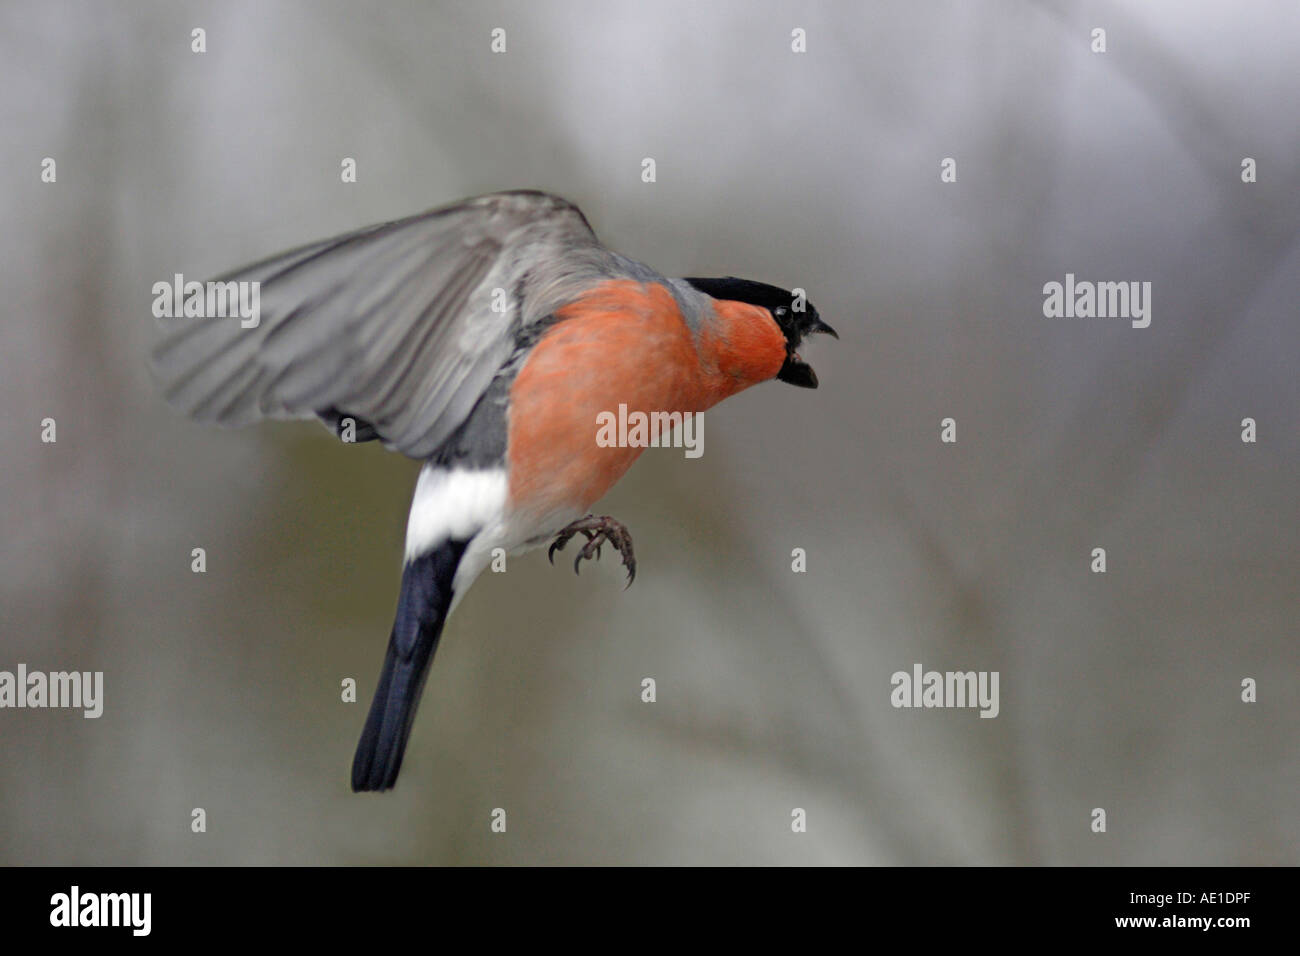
point(597, 530)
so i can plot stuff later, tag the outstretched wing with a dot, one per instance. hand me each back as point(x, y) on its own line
point(402, 325)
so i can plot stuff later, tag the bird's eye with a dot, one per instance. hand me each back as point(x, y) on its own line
point(781, 311)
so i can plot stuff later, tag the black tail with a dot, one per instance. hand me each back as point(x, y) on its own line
point(421, 611)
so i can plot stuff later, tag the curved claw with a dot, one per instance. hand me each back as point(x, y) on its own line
point(598, 531)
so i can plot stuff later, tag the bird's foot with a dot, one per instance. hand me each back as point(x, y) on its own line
point(598, 530)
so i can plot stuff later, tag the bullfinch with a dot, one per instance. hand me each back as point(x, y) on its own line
point(485, 339)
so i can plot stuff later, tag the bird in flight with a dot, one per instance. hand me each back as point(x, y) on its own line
point(484, 338)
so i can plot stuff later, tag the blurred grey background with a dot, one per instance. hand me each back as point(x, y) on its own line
point(819, 170)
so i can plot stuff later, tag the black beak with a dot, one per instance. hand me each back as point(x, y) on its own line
point(796, 371)
point(820, 326)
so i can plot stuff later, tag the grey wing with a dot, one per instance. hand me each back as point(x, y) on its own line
point(401, 325)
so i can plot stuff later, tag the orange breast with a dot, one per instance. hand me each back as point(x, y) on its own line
point(625, 343)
